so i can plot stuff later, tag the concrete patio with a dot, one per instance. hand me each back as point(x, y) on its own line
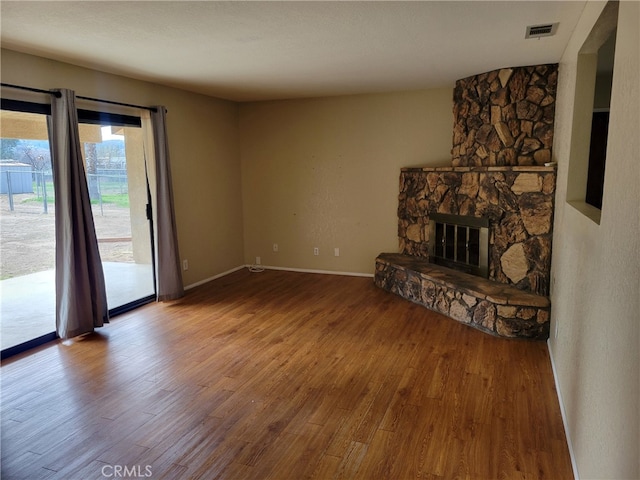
point(27, 302)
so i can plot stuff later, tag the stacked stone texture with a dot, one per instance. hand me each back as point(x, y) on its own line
point(525, 316)
point(505, 117)
point(517, 201)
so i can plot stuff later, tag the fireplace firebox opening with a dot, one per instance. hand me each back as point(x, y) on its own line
point(460, 242)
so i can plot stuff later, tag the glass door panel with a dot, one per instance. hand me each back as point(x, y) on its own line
point(116, 177)
point(27, 230)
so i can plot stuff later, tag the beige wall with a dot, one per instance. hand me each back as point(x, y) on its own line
point(595, 306)
point(324, 173)
point(203, 142)
point(315, 172)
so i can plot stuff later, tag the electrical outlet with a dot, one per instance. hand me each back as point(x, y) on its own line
point(316, 251)
point(258, 260)
point(275, 247)
point(185, 264)
point(336, 252)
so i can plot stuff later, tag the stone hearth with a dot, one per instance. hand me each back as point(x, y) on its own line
point(493, 307)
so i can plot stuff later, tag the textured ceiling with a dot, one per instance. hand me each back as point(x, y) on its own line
point(247, 51)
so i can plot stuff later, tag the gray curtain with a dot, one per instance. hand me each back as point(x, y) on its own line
point(168, 272)
point(81, 299)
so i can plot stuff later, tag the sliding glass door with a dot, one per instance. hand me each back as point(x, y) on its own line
point(116, 175)
point(114, 159)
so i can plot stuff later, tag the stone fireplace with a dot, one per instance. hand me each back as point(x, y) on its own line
point(501, 179)
point(515, 202)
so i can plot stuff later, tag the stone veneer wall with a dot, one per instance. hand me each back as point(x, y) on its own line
point(505, 117)
point(517, 200)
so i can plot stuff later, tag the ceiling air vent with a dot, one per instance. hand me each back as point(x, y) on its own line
point(537, 31)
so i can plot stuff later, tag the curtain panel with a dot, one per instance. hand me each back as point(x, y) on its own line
point(81, 299)
point(168, 268)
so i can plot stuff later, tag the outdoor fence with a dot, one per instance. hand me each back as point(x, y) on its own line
point(105, 187)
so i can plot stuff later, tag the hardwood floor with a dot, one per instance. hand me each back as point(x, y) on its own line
point(283, 375)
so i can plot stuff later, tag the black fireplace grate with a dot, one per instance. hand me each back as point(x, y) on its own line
point(460, 242)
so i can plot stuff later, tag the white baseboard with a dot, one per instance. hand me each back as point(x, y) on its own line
point(206, 280)
point(306, 270)
point(267, 267)
point(564, 415)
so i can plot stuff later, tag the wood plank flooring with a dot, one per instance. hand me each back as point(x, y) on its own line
point(283, 375)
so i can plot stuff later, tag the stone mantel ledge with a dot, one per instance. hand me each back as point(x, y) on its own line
point(506, 168)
